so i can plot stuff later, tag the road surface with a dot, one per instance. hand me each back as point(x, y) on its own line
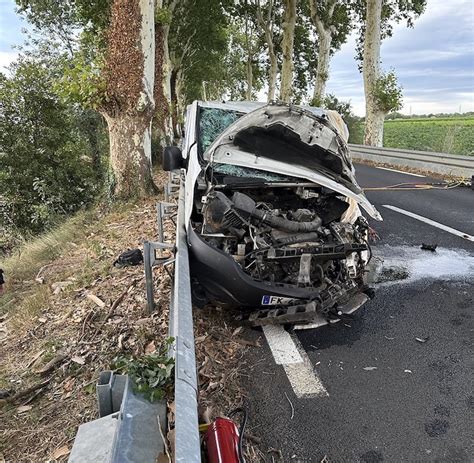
point(395, 384)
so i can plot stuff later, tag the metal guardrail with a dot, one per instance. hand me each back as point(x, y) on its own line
point(128, 428)
point(187, 441)
point(441, 163)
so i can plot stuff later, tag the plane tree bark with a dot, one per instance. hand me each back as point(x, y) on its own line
point(322, 18)
point(128, 106)
point(374, 116)
point(266, 22)
point(287, 45)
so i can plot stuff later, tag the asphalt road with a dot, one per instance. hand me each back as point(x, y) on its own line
point(414, 401)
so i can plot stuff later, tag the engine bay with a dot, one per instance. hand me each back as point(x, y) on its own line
point(288, 235)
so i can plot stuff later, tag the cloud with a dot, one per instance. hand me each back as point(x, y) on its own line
point(434, 61)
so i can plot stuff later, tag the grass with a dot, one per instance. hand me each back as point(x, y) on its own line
point(445, 135)
point(29, 258)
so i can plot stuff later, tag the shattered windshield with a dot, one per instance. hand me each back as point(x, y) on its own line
point(212, 123)
point(247, 172)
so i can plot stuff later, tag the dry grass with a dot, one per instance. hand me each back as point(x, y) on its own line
point(46, 311)
point(38, 322)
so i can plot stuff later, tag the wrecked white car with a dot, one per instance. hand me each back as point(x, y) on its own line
point(272, 208)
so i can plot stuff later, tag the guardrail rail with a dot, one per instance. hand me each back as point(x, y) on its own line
point(441, 163)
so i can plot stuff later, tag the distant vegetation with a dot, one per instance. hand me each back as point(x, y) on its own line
point(442, 133)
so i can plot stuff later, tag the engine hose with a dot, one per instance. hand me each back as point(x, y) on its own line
point(281, 223)
point(300, 238)
point(241, 430)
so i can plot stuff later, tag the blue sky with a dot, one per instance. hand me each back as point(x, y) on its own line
point(434, 61)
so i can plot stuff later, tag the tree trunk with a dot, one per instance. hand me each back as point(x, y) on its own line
point(267, 25)
point(249, 79)
point(322, 70)
point(249, 70)
point(130, 155)
point(272, 77)
point(129, 75)
point(174, 101)
point(371, 68)
point(289, 22)
point(161, 130)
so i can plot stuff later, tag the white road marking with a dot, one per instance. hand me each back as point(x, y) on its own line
point(401, 172)
point(282, 346)
point(453, 231)
point(298, 368)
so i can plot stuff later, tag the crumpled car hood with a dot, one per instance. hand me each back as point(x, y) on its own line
point(290, 141)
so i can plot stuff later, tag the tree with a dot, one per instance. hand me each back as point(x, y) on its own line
point(49, 150)
point(344, 108)
point(289, 22)
point(128, 103)
point(117, 78)
point(382, 93)
point(198, 44)
point(374, 116)
point(266, 20)
point(164, 14)
point(333, 23)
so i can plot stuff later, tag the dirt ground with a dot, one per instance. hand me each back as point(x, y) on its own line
point(65, 319)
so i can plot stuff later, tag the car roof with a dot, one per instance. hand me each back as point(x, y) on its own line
point(248, 106)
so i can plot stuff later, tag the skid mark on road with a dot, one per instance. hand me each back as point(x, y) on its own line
point(298, 368)
point(441, 226)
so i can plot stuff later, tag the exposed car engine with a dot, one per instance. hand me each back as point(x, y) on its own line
point(289, 236)
point(275, 216)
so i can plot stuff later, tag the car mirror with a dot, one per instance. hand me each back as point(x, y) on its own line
point(172, 158)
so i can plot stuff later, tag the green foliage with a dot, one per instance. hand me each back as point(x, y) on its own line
point(47, 157)
point(151, 374)
point(388, 93)
point(163, 16)
point(304, 55)
point(344, 108)
point(82, 82)
point(63, 18)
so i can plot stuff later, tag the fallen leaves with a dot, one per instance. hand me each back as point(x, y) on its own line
point(78, 359)
point(24, 408)
point(53, 363)
point(97, 301)
point(60, 452)
point(150, 347)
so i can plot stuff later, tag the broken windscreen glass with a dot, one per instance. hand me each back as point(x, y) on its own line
point(212, 123)
point(247, 172)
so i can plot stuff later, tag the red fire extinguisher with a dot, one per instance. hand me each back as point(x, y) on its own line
point(224, 440)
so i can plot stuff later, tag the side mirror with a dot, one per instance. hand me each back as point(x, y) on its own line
point(172, 158)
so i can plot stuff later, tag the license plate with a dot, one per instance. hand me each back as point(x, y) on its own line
point(277, 300)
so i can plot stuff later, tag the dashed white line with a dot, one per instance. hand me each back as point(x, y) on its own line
point(401, 172)
point(298, 368)
point(451, 230)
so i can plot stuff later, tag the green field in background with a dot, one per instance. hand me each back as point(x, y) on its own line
point(445, 135)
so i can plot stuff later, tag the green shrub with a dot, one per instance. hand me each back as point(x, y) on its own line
point(49, 151)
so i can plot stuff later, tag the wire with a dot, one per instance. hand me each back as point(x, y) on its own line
point(241, 430)
point(416, 186)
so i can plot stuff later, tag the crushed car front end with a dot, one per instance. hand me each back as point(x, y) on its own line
point(275, 225)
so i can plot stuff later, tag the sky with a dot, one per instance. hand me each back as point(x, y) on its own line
point(434, 61)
